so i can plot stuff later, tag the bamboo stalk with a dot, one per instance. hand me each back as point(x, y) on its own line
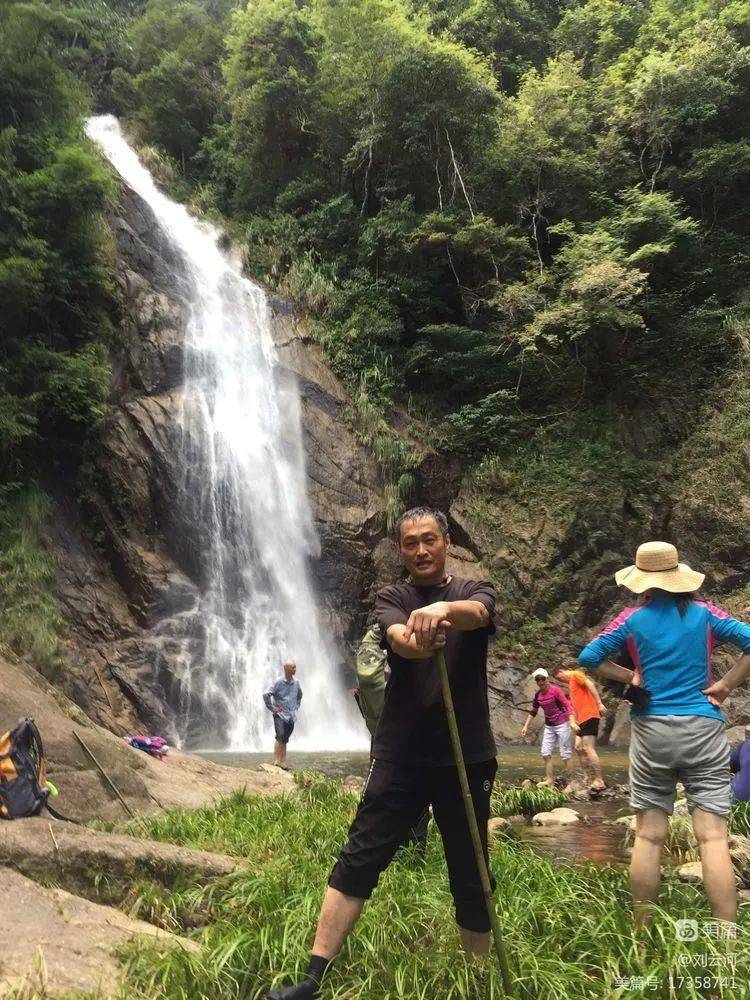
point(104, 774)
point(54, 838)
point(471, 816)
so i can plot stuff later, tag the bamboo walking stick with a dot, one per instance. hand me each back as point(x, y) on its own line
point(471, 816)
point(104, 774)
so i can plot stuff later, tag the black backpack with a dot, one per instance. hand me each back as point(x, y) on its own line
point(22, 772)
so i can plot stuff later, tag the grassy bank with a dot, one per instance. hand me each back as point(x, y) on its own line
point(567, 927)
point(30, 619)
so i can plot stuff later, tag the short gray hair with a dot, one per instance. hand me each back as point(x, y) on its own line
point(416, 514)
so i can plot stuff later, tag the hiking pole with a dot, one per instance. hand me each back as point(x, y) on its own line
point(104, 774)
point(471, 816)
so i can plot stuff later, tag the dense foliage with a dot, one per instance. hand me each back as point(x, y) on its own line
point(56, 288)
point(497, 211)
point(57, 294)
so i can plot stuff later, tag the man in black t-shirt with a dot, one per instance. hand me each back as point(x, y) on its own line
point(412, 759)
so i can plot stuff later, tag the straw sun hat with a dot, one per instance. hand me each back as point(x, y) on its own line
point(657, 565)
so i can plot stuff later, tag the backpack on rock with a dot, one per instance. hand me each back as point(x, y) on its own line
point(22, 772)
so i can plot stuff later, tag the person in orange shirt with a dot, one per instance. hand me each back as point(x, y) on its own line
point(588, 708)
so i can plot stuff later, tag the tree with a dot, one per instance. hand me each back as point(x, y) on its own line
point(270, 74)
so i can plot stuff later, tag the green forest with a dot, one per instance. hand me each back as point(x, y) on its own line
point(519, 224)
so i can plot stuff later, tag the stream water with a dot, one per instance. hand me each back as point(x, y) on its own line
point(596, 839)
point(243, 489)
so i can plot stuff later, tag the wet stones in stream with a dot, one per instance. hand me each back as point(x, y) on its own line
point(557, 817)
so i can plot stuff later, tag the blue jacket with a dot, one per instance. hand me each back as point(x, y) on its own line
point(671, 651)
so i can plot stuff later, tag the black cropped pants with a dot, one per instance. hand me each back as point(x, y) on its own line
point(391, 803)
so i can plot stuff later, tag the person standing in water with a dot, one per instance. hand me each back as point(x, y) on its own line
point(283, 700)
point(678, 729)
point(557, 728)
point(588, 708)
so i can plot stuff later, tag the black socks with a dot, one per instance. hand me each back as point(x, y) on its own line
point(317, 967)
point(308, 988)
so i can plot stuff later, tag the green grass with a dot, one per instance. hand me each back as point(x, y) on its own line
point(395, 458)
point(567, 927)
point(510, 800)
point(30, 619)
point(740, 822)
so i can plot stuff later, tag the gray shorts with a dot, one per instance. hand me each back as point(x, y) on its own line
point(693, 749)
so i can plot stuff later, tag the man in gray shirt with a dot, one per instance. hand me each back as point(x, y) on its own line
point(283, 700)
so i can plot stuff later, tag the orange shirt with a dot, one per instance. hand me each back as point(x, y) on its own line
point(584, 703)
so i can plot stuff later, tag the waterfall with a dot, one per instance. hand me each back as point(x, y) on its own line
point(242, 484)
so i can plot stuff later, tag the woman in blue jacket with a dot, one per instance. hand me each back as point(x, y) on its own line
point(678, 731)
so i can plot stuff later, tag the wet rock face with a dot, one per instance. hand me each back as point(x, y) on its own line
point(132, 569)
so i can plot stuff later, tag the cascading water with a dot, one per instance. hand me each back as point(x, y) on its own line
point(243, 484)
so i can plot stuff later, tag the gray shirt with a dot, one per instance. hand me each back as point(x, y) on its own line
point(285, 695)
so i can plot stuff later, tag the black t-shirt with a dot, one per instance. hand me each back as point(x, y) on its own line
point(413, 728)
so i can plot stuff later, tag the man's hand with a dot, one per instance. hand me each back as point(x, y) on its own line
point(718, 692)
point(574, 726)
point(428, 625)
point(602, 709)
point(409, 647)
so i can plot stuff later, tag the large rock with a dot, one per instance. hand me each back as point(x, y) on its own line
point(691, 872)
point(74, 857)
point(58, 945)
point(562, 816)
point(182, 781)
point(496, 826)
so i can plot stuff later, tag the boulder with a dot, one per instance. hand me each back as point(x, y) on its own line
point(614, 792)
point(562, 816)
point(691, 872)
point(74, 857)
point(282, 776)
point(181, 781)
point(61, 945)
point(497, 825)
point(354, 781)
point(580, 792)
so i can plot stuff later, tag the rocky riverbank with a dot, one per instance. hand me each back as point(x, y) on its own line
point(220, 902)
point(59, 875)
